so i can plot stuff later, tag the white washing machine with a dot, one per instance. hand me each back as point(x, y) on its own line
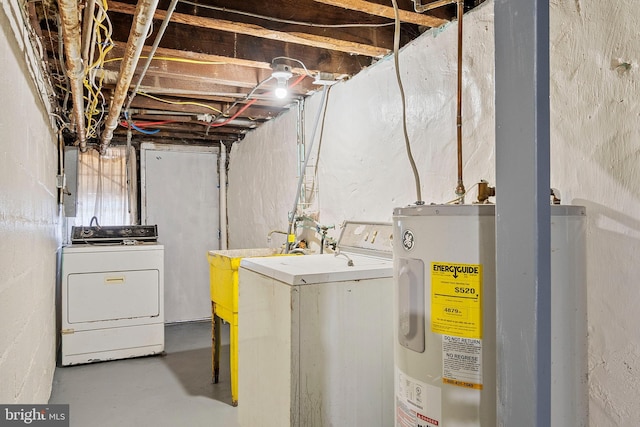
point(111, 302)
point(315, 335)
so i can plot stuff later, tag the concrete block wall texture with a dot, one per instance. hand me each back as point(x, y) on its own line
point(363, 167)
point(29, 231)
point(264, 184)
point(595, 160)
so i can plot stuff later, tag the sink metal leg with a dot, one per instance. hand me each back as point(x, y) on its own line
point(216, 325)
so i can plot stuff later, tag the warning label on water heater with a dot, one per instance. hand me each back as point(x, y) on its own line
point(417, 404)
point(456, 299)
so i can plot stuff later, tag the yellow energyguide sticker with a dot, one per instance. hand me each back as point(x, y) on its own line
point(456, 299)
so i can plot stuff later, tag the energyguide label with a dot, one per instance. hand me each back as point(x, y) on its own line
point(456, 299)
point(456, 313)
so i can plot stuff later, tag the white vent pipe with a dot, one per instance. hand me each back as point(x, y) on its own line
point(75, 70)
point(223, 197)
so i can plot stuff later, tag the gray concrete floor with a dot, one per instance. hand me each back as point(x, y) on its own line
point(170, 390)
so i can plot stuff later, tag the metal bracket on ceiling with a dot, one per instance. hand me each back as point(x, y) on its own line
point(419, 7)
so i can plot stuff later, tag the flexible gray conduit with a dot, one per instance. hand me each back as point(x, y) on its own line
point(304, 167)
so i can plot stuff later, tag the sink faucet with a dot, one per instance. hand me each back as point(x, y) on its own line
point(275, 231)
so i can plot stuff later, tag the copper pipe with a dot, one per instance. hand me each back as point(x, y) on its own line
point(75, 69)
point(141, 23)
point(460, 187)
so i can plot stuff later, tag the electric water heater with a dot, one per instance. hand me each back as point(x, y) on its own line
point(445, 316)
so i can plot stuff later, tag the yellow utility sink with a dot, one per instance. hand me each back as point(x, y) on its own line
point(223, 285)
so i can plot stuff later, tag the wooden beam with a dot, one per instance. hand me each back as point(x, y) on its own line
point(244, 50)
point(198, 127)
point(147, 106)
point(211, 74)
point(175, 64)
point(258, 31)
point(386, 12)
point(219, 134)
point(262, 109)
point(163, 85)
point(228, 63)
point(293, 16)
point(204, 58)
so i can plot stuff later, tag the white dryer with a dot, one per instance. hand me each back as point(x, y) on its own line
point(315, 335)
point(111, 302)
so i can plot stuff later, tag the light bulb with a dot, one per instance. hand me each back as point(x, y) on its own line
point(281, 92)
point(282, 73)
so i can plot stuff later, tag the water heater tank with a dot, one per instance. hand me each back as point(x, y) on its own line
point(445, 323)
point(569, 383)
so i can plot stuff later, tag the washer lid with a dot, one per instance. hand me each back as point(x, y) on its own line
point(310, 269)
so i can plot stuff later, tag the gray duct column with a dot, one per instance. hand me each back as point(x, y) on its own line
point(522, 213)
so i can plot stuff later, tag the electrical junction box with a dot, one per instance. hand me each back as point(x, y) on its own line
point(325, 79)
point(70, 182)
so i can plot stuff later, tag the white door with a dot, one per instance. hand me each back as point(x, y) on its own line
point(180, 193)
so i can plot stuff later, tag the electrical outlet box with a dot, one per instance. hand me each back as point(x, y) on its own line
point(71, 181)
point(325, 79)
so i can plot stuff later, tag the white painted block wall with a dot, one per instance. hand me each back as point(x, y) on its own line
point(595, 146)
point(29, 235)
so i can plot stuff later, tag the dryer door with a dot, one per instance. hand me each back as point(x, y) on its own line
point(118, 295)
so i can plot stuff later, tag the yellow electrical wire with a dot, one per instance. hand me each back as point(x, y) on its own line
point(104, 44)
point(94, 90)
point(180, 102)
point(67, 90)
point(92, 107)
point(168, 58)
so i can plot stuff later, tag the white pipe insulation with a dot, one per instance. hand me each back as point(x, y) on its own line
point(142, 21)
point(75, 69)
point(151, 54)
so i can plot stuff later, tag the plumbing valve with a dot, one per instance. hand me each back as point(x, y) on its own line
point(484, 191)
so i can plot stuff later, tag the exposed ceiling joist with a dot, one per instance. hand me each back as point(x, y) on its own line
point(386, 12)
point(208, 69)
point(241, 49)
point(214, 59)
point(265, 33)
point(209, 59)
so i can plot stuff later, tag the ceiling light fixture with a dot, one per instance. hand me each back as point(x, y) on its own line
point(282, 73)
